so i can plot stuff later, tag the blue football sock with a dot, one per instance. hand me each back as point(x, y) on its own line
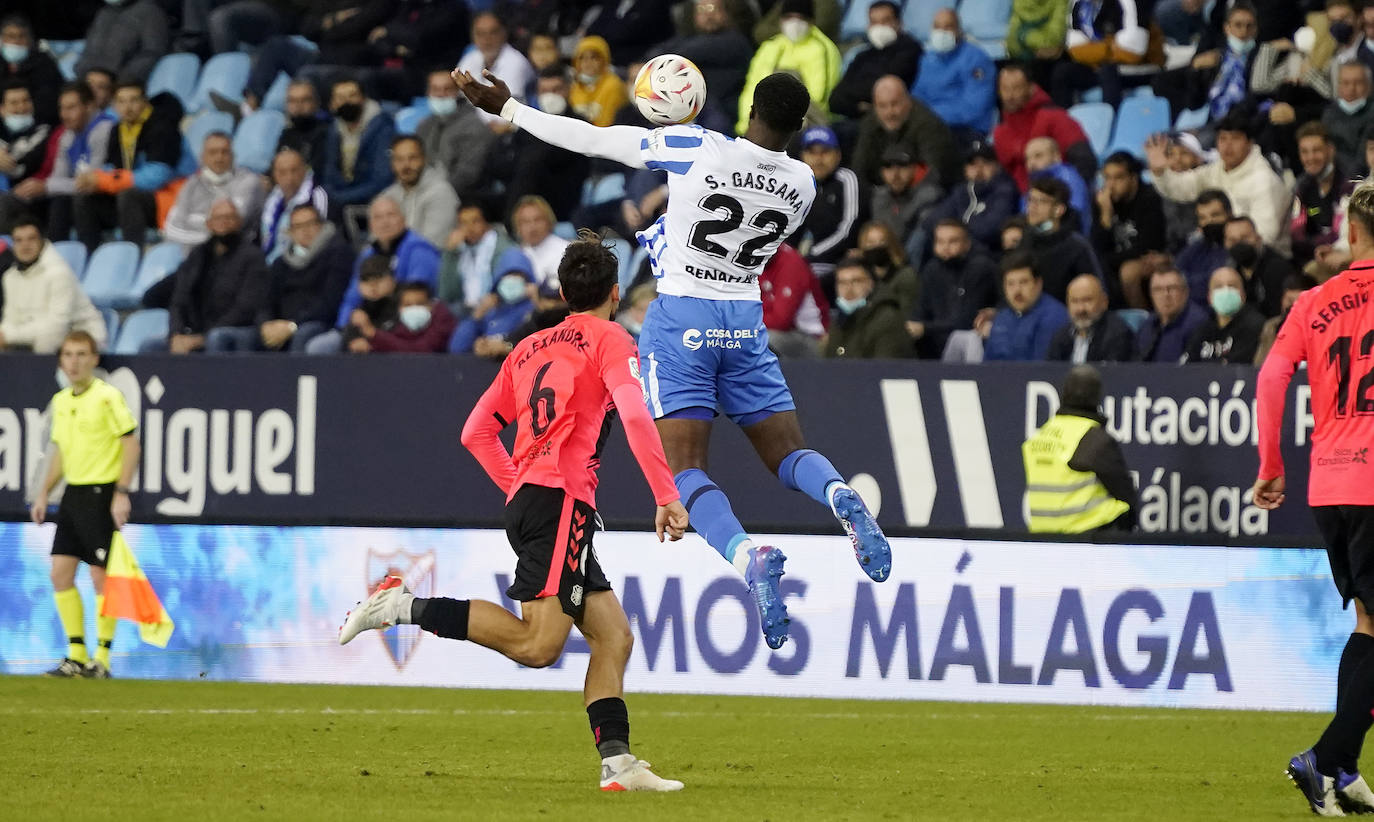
point(710, 512)
point(807, 471)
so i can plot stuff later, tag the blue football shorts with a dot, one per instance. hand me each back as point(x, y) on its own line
point(697, 356)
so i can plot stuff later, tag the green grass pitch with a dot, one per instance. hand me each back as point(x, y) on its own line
point(205, 750)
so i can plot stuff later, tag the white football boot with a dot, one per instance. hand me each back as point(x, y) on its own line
point(386, 607)
point(625, 773)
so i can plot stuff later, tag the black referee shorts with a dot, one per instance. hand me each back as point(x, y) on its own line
point(84, 524)
point(551, 534)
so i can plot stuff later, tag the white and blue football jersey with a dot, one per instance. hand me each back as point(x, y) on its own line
point(730, 205)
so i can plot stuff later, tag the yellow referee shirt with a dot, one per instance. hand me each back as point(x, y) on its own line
point(87, 428)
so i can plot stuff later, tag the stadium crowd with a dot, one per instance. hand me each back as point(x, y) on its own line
point(1075, 180)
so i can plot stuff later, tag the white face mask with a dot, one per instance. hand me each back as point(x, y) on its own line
point(943, 41)
point(551, 103)
point(216, 179)
point(441, 106)
point(588, 79)
point(882, 36)
point(298, 250)
point(1349, 106)
point(795, 29)
point(415, 317)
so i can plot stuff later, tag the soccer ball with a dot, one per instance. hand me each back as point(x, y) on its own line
point(670, 90)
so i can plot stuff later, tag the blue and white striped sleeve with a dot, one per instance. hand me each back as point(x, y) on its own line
point(672, 148)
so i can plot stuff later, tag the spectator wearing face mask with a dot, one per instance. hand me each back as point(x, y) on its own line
point(1348, 117)
point(957, 79)
point(1320, 195)
point(889, 51)
point(23, 63)
point(1206, 249)
point(597, 92)
point(423, 325)
point(1231, 335)
point(543, 169)
point(23, 145)
point(307, 125)
point(1059, 251)
point(489, 335)
point(879, 250)
point(356, 166)
point(867, 323)
point(801, 48)
point(455, 138)
point(1263, 269)
point(216, 179)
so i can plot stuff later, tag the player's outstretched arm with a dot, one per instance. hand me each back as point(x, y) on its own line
point(618, 143)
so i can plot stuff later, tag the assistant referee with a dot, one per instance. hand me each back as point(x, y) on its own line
point(97, 454)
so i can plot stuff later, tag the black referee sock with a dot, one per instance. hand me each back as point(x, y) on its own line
point(610, 723)
point(445, 617)
point(1340, 743)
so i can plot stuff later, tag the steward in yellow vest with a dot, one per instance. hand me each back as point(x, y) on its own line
point(1076, 476)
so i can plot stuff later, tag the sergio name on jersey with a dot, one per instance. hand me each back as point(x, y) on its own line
point(730, 205)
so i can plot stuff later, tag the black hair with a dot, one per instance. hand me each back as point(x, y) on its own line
point(1299, 282)
point(587, 272)
point(553, 72)
point(303, 206)
point(1215, 195)
point(1082, 388)
point(1018, 260)
point(24, 219)
point(131, 83)
point(374, 268)
point(1053, 187)
point(1241, 5)
point(15, 85)
point(101, 70)
point(781, 102)
point(418, 285)
point(81, 89)
point(1125, 159)
point(408, 138)
point(1235, 121)
point(896, 9)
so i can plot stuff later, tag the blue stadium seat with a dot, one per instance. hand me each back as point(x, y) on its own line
point(1139, 118)
point(75, 255)
point(566, 230)
point(110, 274)
point(255, 141)
point(985, 19)
point(226, 74)
point(855, 23)
point(917, 16)
point(1133, 317)
point(175, 73)
point(148, 324)
point(111, 326)
point(1096, 120)
point(205, 124)
point(1192, 118)
point(275, 98)
point(604, 189)
point(161, 260)
point(408, 119)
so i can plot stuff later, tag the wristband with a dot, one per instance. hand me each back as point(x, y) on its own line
point(509, 109)
point(122, 489)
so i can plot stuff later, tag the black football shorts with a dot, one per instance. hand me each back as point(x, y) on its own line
point(551, 534)
point(84, 524)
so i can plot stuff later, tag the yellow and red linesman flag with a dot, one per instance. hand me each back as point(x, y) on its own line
point(129, 595)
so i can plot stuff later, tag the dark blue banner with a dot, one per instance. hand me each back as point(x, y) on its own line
point(374, 440)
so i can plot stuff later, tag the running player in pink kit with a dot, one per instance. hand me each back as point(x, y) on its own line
point(561, 388)
point(1331, 328)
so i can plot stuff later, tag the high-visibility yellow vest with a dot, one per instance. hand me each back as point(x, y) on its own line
point(1062, 500)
